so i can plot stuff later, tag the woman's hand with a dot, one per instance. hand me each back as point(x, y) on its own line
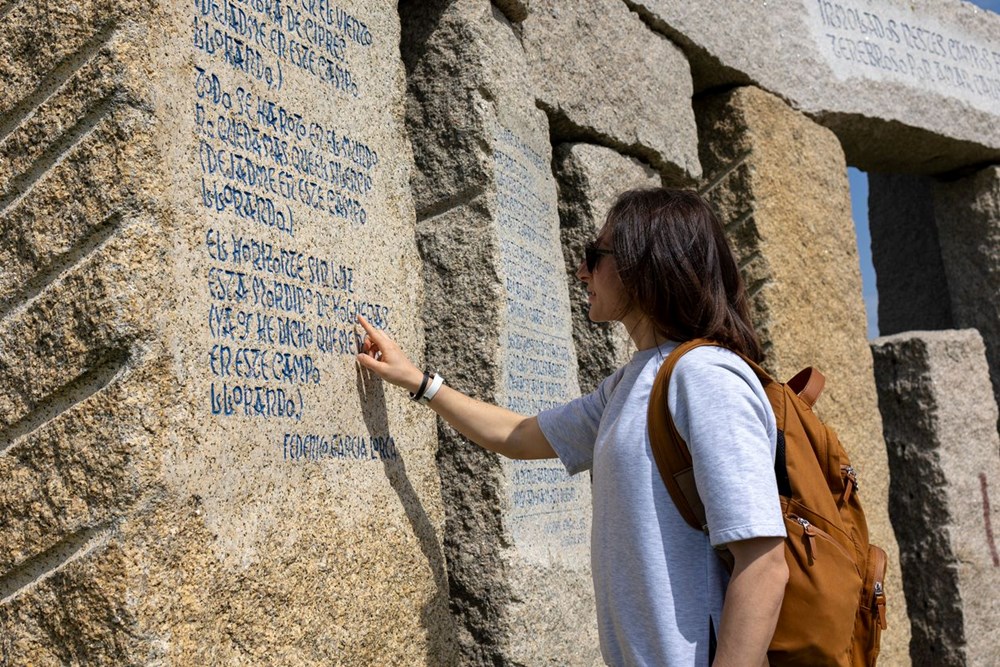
point(492, 427)
point(382, 356)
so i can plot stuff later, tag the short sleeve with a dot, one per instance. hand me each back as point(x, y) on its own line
point(572, 428)
point(722, 412)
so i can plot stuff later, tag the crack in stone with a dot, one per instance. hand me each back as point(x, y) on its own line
point(562, 129)
point(62, 73)
point(734, 226)
point(441, 207)
point(757, 286)
point(735, 164)
point(75, 256)
point(78, 390)
point(23, 183)
point(745, 260)
point(41, 566)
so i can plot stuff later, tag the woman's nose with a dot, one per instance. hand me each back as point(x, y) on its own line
point(581, 271)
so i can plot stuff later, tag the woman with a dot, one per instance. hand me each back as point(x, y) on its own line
point(662, 267)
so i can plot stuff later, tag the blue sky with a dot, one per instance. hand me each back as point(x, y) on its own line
point(993, 5)
point(859, 208)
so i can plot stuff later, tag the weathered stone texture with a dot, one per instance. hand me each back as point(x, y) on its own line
point(881, 74)
point(602, 76)
point(73, 336)
point(967, 211)
point(590, 179)
point(498, 327)
point(940, 417)
point(779, 182)
point(157, 506)
point(912, 287)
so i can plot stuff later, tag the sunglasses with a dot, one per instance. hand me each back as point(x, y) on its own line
point(592, 255)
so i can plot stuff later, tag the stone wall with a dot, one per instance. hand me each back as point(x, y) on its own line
point(196, 198)
point(498, 325)
point(940, 429)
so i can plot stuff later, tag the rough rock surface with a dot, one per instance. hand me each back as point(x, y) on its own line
point(604, 77)
point(880, 73)
point(191, 470)
point(940, 417)
point(912, 287)
point(967, 211)
point(498, 327)
point(779, 182)
point(590, 179)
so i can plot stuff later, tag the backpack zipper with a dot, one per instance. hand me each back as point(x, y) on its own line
point(850, 476)
point(812, 532)
point(878, 591)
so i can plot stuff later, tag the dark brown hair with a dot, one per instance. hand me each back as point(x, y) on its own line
point(678, 268)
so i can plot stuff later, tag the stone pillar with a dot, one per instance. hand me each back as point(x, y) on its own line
point(196, 199)
point(779, 182)
point(967, 211)
point(912, 288)
point(590, 179)
point(498, 327)
point(939, 417)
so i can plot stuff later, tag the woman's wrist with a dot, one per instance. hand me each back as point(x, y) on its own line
point(414, 378)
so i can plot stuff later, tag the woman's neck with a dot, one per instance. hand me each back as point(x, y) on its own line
point(642, 332)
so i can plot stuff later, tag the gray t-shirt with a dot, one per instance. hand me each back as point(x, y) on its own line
point(657, 581)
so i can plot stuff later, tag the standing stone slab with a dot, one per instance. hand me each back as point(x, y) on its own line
point(968, 225)
point(590, 179)
point(912, 286)
point(498, 327)
point(883, 74)
point(940, 419)
point(598, 71)
point(196, 198)
point(779, 182)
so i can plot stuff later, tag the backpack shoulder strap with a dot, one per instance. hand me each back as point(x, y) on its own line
point(673, 459)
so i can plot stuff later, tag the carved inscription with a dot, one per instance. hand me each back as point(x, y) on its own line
point(277, 183)
point(264, 39)
point(549, 510)
point(889, 43)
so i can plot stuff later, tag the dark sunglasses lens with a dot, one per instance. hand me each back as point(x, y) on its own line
point(592, 255)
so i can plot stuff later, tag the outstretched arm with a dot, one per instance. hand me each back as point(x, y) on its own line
point(490, 426)
point(753, 600)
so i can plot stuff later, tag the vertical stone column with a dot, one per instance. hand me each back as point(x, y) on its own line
point(967, 211)
point(779, 182)
point(940, 417)
point(498, 327)
point(197, 198)
point(590, 179)
point(912, 287)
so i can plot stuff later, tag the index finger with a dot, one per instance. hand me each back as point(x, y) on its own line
point(369, 329)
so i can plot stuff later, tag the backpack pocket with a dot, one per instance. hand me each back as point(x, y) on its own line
point(818, 613)
point(871, 614)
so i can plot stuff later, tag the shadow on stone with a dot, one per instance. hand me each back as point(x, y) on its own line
point(435, 616)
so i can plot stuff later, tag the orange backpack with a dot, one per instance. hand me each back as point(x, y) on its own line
point(833, 612)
